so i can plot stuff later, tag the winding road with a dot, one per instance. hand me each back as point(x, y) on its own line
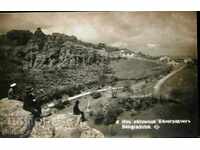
point(156, 89)
point(158, 85)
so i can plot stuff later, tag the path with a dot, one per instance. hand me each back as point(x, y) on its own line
point(156, 91)
point(86, 94)
point(157, 87)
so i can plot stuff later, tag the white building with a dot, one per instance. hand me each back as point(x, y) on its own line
point(173, 63)
point(127, 54)
point(165, 59)
point(188, 61)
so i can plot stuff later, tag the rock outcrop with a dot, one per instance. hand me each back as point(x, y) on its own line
point(64, 126)
point(14, 121)
point(50, 61)
point(91, 133)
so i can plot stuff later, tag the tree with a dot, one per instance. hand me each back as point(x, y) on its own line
point(102, 75)
point(101, 45)
point(101, 78)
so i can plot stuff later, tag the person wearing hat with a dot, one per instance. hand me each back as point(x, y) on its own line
point(11, 91)
point(31, 103)
point(77, 111)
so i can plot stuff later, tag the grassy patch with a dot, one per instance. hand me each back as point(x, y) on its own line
point(136, 69)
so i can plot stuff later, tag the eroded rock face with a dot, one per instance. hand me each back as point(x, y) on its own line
point(91, 133)
point(14, 121)
point(63, 126)
point(49, 61)
point(58, 125)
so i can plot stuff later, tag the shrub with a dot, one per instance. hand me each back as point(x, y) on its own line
point(112, 114)
point(59, 104)
point(58, 92)
point(109, 115)
point(101, 45)
point(175, 93)
point(20, 36)
point(99, 118)
point(96, 95)
point(127, 87)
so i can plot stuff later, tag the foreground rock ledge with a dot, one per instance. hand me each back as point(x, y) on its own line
point(14, 120)
point(64, 126)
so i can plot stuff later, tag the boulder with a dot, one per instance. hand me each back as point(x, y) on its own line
point(57, 125)
point(43, 129)
point(91, 133)
point(63, 126)
point(14, 120)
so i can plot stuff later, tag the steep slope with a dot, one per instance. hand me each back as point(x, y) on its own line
point(50, 63)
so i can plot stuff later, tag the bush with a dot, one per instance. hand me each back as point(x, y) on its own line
point(21, 37)
point(109, 115)
point(127, 87)
point(175, 93)
point(112, 114)
point(96, 95)
point(5, 40)
point(101, 45)
point(58, 92)
point(59, 104)
point(99, 118)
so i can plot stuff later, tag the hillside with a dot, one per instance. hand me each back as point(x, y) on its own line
point(62, 68)
point(48, 61)
point(57, 64)
point(137, 68)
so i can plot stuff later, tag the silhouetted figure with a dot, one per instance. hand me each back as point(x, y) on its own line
point(12, 92)
point(39, 34)
point(31, 104)
point(39, 37)
point(77, 111)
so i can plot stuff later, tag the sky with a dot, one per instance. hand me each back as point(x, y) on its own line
point(153, 33)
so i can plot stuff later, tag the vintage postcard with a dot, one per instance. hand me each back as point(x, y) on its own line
point(98, 74)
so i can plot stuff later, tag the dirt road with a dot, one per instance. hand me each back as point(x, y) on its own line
point(157, 87)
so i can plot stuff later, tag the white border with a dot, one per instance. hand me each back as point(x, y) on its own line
point(100, 5)
point(100, 144)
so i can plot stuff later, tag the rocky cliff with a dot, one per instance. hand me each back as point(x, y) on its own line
point(16, 122)
point(50, 63)
point(64, 126)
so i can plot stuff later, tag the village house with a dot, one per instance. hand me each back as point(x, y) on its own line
point(165, 59)
point(188, 60)
point(173, 63)
point(127, 54)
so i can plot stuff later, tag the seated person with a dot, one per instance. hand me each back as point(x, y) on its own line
point(12, 92)
point(77, 111)
point(31, 104)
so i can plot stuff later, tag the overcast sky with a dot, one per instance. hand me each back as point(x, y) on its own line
point(154, 33)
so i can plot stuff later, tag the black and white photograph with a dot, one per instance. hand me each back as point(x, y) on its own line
point(98, 74)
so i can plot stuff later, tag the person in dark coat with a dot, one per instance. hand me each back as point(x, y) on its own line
point(31, 103)
point(77, 111)
point(11, 91)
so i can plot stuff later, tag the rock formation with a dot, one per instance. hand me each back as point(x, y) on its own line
point(14, 121)
point(48, 61)
point(64, 126)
